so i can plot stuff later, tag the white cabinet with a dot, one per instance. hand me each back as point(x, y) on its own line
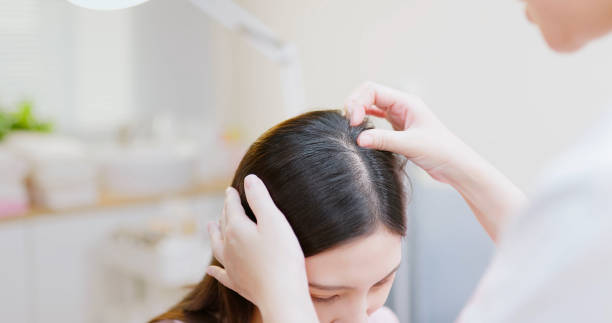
point(50, 265)
point(65, 261)
point(14, 282)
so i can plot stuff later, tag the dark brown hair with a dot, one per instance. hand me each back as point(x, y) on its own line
point(329, 189)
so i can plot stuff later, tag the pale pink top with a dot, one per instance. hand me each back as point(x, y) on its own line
point(383, 315)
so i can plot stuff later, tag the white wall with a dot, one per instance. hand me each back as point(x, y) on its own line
point(101, 80)
point(479, 64)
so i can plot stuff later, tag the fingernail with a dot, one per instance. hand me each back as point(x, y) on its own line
point(365, 140)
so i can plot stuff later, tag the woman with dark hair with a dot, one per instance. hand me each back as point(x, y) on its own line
point(262, 261)
point(346, 205)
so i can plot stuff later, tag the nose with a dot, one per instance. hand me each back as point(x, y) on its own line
point(359, 313)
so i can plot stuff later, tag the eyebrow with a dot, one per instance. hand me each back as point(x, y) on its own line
point(331, 287)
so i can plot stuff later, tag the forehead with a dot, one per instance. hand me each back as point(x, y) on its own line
point(359, 263)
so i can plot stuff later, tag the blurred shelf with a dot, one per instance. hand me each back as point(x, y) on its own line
point(106, 200)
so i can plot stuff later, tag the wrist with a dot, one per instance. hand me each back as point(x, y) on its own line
point(294, 305)
point(488, 192)
point(287, 297)
point(462, 167)
point(469, 171)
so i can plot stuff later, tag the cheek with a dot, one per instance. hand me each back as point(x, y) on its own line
point(557, 20)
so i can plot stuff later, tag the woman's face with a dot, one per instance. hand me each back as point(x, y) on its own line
point(567, 25)
point(350, 282)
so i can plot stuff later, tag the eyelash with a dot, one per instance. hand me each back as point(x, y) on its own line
point(333, 298)
point(324, 300)
point(382, 282)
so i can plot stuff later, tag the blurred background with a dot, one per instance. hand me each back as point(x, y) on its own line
point(119, 131)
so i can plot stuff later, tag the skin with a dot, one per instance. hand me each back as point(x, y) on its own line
point(351, 282)
point(566, 25)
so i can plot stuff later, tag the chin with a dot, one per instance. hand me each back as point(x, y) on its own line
point(565, 48)
point(563, 43)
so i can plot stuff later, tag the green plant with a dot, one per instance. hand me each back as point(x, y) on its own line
point(5, 124)
point(22, 119)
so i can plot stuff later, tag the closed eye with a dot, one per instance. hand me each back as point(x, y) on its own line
point(324, 299)
point(383, 282)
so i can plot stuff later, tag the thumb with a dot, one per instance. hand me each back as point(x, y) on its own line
point(390, 140)
point(221, 275)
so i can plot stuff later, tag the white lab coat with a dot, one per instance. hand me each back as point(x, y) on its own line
point(554, 261)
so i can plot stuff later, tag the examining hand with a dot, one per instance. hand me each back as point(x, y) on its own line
point(418, 135)
point(263, 262)
point(424, 140)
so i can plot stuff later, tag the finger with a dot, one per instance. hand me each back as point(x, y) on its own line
point(359, 102)
point(221, 226)
point(222, 222)
point(221, 275)
point(400, 142)
point(259, 198)
point(358, 115)
point(216, 241)
point(396, 104)
point(223, 219)
point(355, 108)
point(378, 95)
point(366, 98)
point(375, 111)
point(234, 212)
